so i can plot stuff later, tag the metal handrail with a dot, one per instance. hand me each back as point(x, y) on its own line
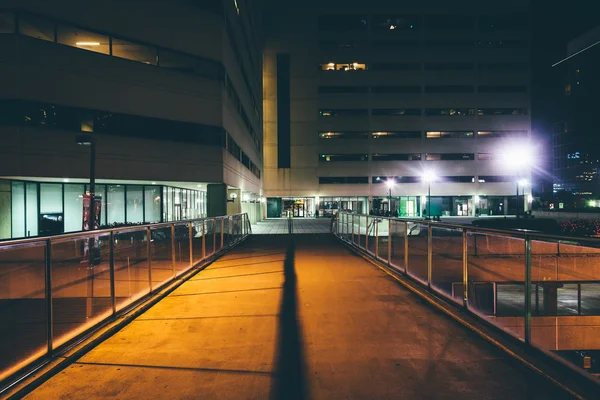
point(79, 266)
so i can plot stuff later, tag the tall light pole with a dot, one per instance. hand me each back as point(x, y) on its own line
point(88, 140)
point(390, 183)
point(517, 157)
point(522, 183)
point(429, 177)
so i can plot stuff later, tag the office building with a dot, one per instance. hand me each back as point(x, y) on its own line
point(169, 91)
point(364, 97)
point(576, 145)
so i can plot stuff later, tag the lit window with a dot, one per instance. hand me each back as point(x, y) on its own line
point(449, 134)
point(83, 39)
point(342, 135)
point(354, 66)
point(396, 135)
point(485, 156)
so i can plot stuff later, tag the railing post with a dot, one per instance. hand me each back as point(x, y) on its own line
point(358, 233)
point(367, 233)
point(203, 239)
point(389, 249)
point(222, 229)
point(429, 253)
point(527, 290)
point(191, 238)
point(214, 235)
point(465, 247)
point(376, 222)
point(111, 263)
point(49, 316)
point(405, 248)
point(352, 228)
point(173, 251)
point(149, 255)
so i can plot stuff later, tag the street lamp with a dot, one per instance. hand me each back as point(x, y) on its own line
point(429, 177)
point(522, 183)
point(390, 183)
point(88, 140)
point(517, 158)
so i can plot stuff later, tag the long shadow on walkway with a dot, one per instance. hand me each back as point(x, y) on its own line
point(290, 372)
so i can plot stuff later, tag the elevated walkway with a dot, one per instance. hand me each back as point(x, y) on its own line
point(298, 317)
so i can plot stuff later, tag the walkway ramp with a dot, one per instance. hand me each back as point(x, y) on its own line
point(301, 319)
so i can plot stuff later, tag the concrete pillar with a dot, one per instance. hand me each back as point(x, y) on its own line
point(216, 199)
point(505, 206)
point(550, 297)
point(5, 210)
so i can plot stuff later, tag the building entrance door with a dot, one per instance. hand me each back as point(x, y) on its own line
point(299, 208)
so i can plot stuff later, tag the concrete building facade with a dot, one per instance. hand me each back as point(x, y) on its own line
point(364, 97)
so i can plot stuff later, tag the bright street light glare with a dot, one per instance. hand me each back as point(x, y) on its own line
point(523, 182)
point(518, 157)
point(429, 176)
point(390, 183)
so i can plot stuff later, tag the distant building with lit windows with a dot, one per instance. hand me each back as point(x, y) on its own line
point(576, 143)
point(358, 94)
point(170, 91)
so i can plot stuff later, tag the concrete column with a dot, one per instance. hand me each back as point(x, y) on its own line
point(216, 199)
point(505, 207)
point(5, 210)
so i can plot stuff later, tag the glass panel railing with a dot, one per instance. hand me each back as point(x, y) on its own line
point(371, 238)
point(183, 260)
point(81, 292)
point(23, 306)
point(398, 248)
point(382, 230)
point(198, 241)
point(565, 301)
point(161, 250)
point(496, 280)
point(210, 237)
point(132, 275)
point(447, 262)
point(417, 251)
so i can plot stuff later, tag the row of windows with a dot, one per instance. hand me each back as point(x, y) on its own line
point(418, 89)
point(406, 23)
point(48, 29)
point(409, 157)
point(415, 66)
point(332, 180)
point(53, 116)
point(425, 45)
point(363, 112)
point(418, 134)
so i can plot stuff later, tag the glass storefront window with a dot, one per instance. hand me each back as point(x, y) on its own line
point(115, 204)
point(32, 213)
point(152, 199)
point(18, 209)
point(73, 207)
point(51, 198)
point(135, 204)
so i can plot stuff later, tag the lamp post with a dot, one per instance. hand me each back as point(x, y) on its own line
point(429, 177)
point(88, 140)
point(390, 183)
point(522, 183)
point(518, 157)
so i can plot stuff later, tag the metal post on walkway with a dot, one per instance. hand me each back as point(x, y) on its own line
point(149, 255)
point(203, 239)
point(367, 233)
point(352, 228)
point(214, 235)
point(465, 268)
point(527, 290)
point(49, 315)
point(376, 222)
point(173, 251)
point(389, 249)
point(406, 248)
point(111, 269)
point(429, 253)
point(222, 233)
point(191, 238)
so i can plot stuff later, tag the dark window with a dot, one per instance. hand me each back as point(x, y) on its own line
point(449, 23)
point(456, 179)
point(448, 134)
point(343, 157)
point(449, 89)
point(503, 66)
point(397, 157)
point(491, 23)
point(397, 111)
point(342, 89)
point(502, 111)
point(348, 112)
point(343, 180)
point(447, 43)
point(449, 111)
point(134, 51)
point(502, 44)
point(7, 22)
point(449, 156)
point(395, 23)
point(451, 66)
point(484, 134)
point(397, 179)
point(41, 28)
point(343, 135)
point(502, 89)
point(396, 135)
point(396, 89)
point(343, 23)
point(394, 44)
point(283, 111)
point(395, 66)
point(493, 179)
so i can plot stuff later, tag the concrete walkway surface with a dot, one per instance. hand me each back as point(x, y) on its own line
point(279, 226)
point(302, 320)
